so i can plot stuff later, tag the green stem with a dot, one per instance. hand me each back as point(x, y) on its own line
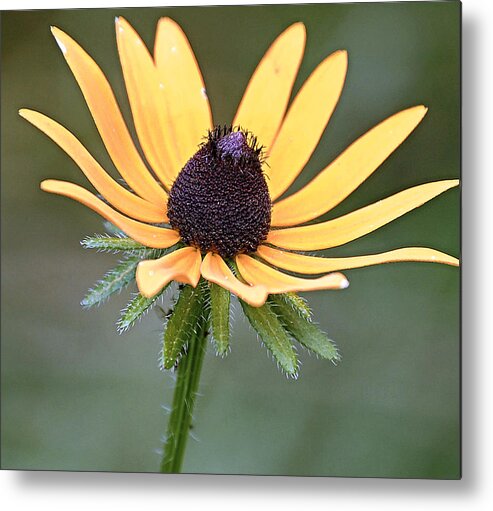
point(187, 383)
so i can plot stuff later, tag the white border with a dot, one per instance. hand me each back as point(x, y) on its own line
point(79, 491)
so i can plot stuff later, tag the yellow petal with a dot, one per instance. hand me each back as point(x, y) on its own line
point(149, 235)
point(186, 104)
point(257, 273)
point(216, 270)
point(146, 100)
point(115, 194)
point(358, 223)
point(266, 98)
point(311, 265)
point(305, 122)
point(182, 265)
point(348, 170)
point(109, 121)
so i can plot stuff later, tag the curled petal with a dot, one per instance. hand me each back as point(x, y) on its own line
point(276, 282)
point(333, 184)
point(149, 235)
point(358, 223)
point(187, 108)
point(146, 100)
point(115, 194)
point(311, 265)
point(305, 122)
point(109, 121)
point(182, 265)
point(216, 270)
point(266, 98)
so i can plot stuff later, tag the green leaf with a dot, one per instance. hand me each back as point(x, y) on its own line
point(182, 324)
point(134, 310)
point(302, 329)
point(299, 304)
point(219, 309)
point(271, 331)
point(114, 281)
point(107, 243)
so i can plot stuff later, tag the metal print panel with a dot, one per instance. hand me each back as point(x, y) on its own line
point(231, 239)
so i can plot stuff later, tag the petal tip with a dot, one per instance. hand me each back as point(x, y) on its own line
point(121, 21)
point(338, 57)
point(45, 185)
point(342, 57)
point(50, 185)
point(337, 280)
point(144, 279)
point(30, 115)
point(166, 20)
point(56, 31)
point(259, 298)
point(418, 110)
point(120, 25)
point(447, 184)
point(297, 29)
point(194, 282)
point(144, 293)
point(58, 35)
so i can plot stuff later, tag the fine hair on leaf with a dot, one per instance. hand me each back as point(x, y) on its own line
point(301, 328)
point(297, 303)
point(219, 307)
point(266, 323)
point(115, 244)
point(113, 281)
point(135, 309)
point(183, 323)
point(107, 243)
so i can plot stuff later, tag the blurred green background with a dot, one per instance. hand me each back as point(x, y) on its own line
point(76, 396)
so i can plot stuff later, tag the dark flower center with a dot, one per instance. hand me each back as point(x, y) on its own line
point(219, 201)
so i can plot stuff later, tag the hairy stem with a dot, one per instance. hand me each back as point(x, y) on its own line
point(187, 383)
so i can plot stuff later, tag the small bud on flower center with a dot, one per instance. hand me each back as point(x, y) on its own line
point(219, 201)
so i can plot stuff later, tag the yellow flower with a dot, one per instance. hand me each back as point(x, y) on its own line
point(171, 113)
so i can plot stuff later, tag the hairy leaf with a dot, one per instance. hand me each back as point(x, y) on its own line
point(107, 243)
point(219, 311)
point(302, 329)
point(182, 324)
point(271, 331)
point(114, 281)
point(134, 310)
point(299, 304)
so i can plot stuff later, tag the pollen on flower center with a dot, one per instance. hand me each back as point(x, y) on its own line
point(219, 201)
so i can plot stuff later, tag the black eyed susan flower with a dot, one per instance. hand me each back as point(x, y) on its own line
point(204, 209)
